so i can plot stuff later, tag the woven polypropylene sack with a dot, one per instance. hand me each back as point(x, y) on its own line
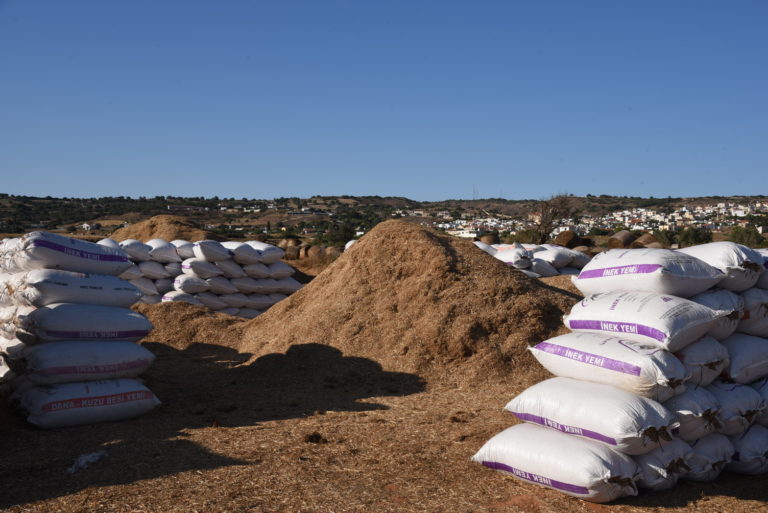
point(47, 286)
point(200, 268)
point(176, 296)
point(697, 411)
point(74, 404)
point(210, 251)
point(220, 285)
point(661, 271)
point(43, 250)
point(641, 369)
point(577, 467)
point(761, 386)
point(69, 321)
point(230, 268)
point(184, 248)
point(749, 358)
point(136, 250)
point(269, 253)
point(243, 253)
point(190, 284)
point(670, 322)
point(163, 251)
point(751, 452)
point(661, 468)
point(741, 265)
point(623, 421)
point(705, 360)
point(740, 406)
point(73, 361)
point(755, 318)
point(726, 301)
point(710, 456)
point(153, 270)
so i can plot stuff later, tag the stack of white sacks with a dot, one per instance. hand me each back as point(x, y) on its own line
point(663, 377)
point(67, 330)
point(235, 278)
point(537, 261)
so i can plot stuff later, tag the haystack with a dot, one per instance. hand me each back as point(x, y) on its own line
point(415, 300)
point(164, 227)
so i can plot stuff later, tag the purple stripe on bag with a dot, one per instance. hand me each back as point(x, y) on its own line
point(618, 327)
point(535, 478)
point(85, 335)
point(589, 358)
point(620, 270)
point(571, 430)
point(86, 255)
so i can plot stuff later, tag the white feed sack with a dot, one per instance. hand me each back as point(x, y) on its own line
point(164, 285)
point(229, 311)
point(257, 270)
point(269, 253)
point(136, 250)
point(742, 266)
point(211, 301)
point(623, 421)
point(668, 321)
point(153, 270)
point(237, 300)
point(162, 251)
point(762, 282)
point(146, 286)
point(190, 284)
point(200, 268)
point(151, 300)
point(661, 271)
point(184, 248)
point(751, 452)
point(749, 358)
point(709, 457)
point(280, 270)
point(42, 250)
point(761, 387)
point(183, 297)
point(555, 256)
point(705, 360)
point(230, 268)
point(46, 286)
point(74, 404)
point(69, 321)
point(755, 318)
point(577, 467)
point(286, 286)
point(661, 468)
point(73, 361)
point(220, 285)
point(246, 285)
point(642, 369)
point(518, 258)
point(740, 406)
point(698, 411)
point(726, 301)
point(173, 269)
point(542, 268)
point(131, 273)
point(210, 251)
point(243, 253)
point(110, 243)
point(248, 313)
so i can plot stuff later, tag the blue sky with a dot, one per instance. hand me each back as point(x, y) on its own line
point(425, 99)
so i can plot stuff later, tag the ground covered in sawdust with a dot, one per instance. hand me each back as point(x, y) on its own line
point(317, 407)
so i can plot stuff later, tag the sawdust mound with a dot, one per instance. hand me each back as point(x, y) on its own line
point(415, 300)
point(164, 227)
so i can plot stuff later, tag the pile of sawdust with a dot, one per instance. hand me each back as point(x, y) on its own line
point(415, 300)
point(164, 227)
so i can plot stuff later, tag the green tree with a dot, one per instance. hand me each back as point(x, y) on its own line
point(693, 236)
point(747, 235)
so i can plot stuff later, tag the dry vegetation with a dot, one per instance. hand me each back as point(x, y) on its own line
point(367, 391)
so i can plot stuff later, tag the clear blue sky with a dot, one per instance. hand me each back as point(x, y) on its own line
point(424, 99)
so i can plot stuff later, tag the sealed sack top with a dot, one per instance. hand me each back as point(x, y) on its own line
point(43, 250)
point(662, 271)
point(741, 265)
point(643, 369)
point(669, 321)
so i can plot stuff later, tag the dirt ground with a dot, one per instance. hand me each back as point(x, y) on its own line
point(305, 423)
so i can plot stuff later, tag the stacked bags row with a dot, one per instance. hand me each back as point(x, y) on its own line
point(67, 333)
point(538, 261)
point(235, 278)
point(662, 377)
